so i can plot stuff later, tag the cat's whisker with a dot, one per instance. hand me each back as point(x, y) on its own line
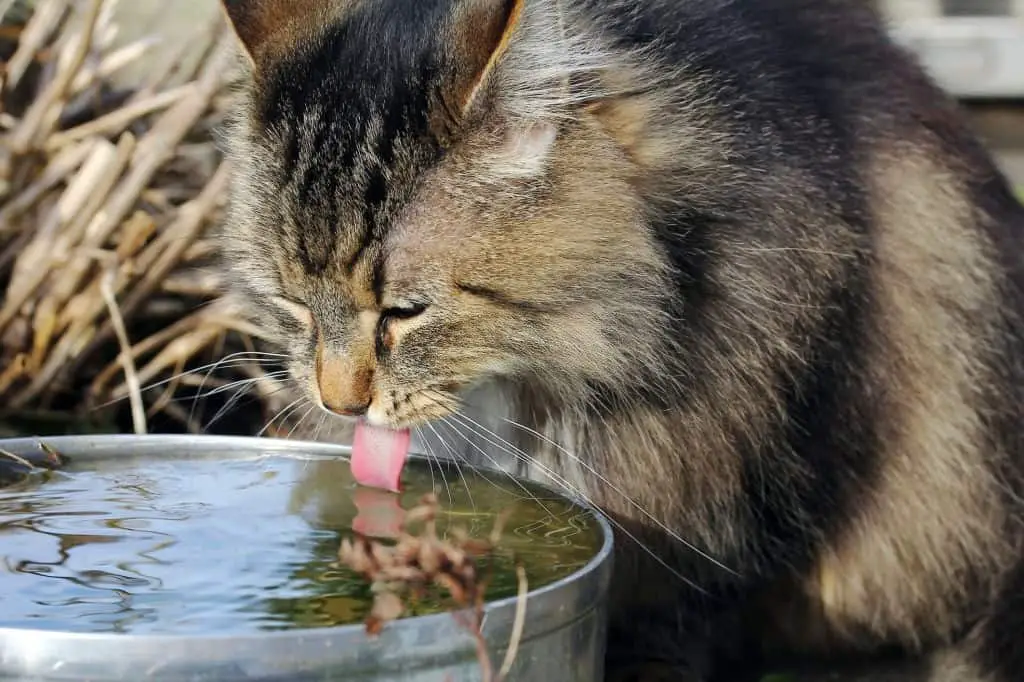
point(574, 491)
point(454, 459)
point(528, 494)
point(455, 462)
point(221, 364)
point(243, 356)
point(480, 471)
point(319, 425)
point(242, 388)
point(517, 454)
point(234, 384)
point(611, 486)
point(235, 397)
point(440, 470)
point(206, 370)
point(281, 414)
point(297, 424)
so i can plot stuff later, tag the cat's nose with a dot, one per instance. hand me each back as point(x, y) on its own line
point(344, 380)
point(347, 410)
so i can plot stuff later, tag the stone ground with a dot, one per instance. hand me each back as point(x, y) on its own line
point(1002, 126)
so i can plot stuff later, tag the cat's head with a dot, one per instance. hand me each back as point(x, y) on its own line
point(429, 194)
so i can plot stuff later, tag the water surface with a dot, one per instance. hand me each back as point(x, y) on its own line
point(190, 546)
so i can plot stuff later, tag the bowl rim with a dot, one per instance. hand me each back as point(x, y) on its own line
point(594, 576)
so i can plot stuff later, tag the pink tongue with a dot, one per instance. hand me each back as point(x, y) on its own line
point(378, 456)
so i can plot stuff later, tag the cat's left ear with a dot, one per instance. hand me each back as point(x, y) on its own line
point(271, 27)
point(483, 31)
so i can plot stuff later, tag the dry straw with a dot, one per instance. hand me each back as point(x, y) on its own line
point(109, 195)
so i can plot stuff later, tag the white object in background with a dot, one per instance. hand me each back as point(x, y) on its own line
point(908, 10)
point(970, 56)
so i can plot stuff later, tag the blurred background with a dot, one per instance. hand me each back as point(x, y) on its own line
point(975, 49)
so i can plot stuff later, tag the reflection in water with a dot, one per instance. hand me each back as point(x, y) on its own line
point(184, 545)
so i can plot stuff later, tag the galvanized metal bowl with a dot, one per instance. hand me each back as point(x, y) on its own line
point(563, 639)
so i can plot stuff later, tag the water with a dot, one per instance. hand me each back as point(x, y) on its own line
point(193, 546)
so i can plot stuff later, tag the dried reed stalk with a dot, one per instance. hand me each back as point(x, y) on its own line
point(108, 194)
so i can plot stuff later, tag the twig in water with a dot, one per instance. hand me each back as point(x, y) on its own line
point(20, 460)
point(25, 466)
point(517, 624)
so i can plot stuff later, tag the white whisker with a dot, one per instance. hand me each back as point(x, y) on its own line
point(497, 467)
point(235, 384)
point(481, 472)
point(440, 471)
point(605, 481)
point(455, 462)
point(299, 422)
point(229, 404)
point(564, 483)
point(319, 425)
point(241, 357)
point(283, 412)
point(220, 364)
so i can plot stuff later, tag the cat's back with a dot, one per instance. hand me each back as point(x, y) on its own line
point(828, 135)
point(821, 86)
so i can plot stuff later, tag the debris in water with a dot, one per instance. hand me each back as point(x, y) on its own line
point(17, 468)
point(409, 567)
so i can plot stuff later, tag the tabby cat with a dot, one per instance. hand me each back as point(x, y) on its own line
point(735, 270)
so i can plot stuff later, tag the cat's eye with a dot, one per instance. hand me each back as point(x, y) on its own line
point(404, 312)
point(301, 313)
point(386, 332)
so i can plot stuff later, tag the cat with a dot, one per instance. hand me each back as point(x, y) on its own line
point(737, 271)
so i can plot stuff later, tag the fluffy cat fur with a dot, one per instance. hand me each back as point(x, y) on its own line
point(735, 270)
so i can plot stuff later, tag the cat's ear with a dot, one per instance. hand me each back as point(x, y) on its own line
point(252, 23)
point(266, 27)
point(484, 30)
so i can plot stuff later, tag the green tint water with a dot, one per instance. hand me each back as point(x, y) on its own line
point(191, 546)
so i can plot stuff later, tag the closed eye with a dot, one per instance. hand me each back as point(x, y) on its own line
point(404, 312)
point(301, 313)
point(385, 329)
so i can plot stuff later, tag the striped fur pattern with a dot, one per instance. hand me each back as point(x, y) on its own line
point(736, 270)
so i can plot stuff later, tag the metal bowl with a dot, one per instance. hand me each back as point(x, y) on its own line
point(563, 638)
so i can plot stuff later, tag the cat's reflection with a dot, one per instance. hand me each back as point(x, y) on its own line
point(327, 496)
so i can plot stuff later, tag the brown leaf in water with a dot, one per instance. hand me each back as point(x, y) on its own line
point(382, 556)
point(454, 587)
point(429, 557)
point(421, 514)
point(400, 574)
point(408, 574)
point(454, 555)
